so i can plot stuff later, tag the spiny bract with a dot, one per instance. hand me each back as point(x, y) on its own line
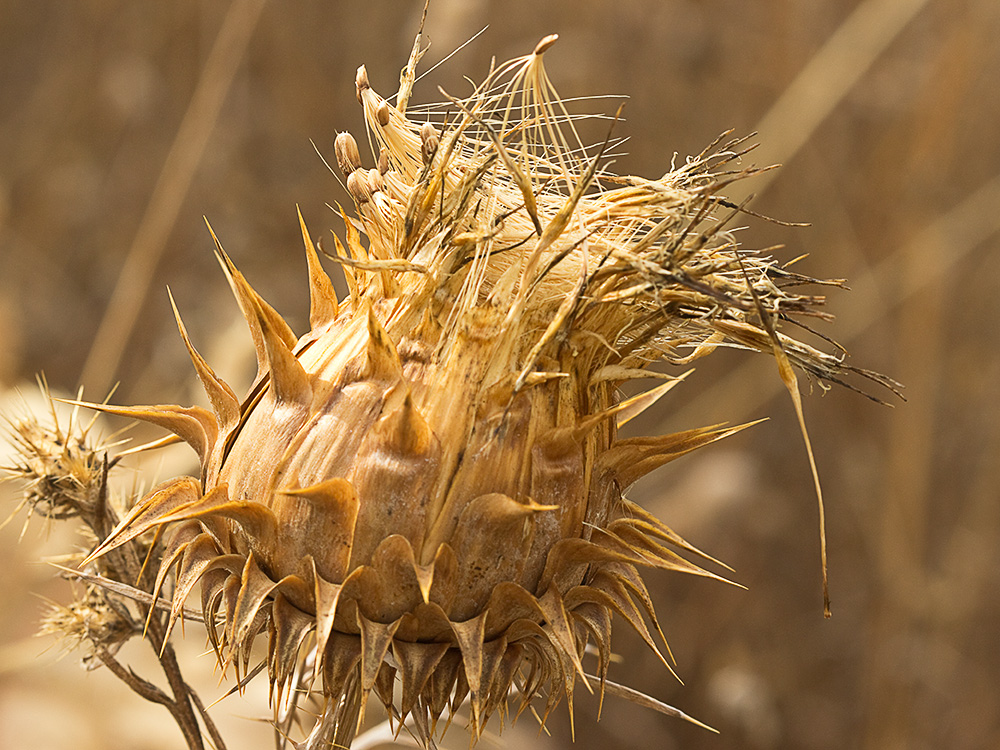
point(426, 488)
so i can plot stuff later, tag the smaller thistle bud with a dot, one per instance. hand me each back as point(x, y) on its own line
point(90, 623)
point(63, 472)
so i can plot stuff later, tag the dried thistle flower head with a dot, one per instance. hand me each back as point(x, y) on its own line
point(427, 487)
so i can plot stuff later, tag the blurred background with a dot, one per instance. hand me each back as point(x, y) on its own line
point(123, 123)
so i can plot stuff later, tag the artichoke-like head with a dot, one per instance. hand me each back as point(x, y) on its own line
point(427, 487)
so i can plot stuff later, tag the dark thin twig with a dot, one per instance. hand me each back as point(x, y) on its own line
point(129, 592)
point(184, 714)
point(136, 684)
point(213, 731)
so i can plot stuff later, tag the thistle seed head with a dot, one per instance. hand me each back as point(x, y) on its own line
point(427, 486)
point(90, 623)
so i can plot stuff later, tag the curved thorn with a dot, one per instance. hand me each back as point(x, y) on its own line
point(224, 402)
point(323, 304)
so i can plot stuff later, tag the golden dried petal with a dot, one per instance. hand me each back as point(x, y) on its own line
point(144, 515)
point(376, 637)
point(253, 306)
point(632, 458)
point(291, 625)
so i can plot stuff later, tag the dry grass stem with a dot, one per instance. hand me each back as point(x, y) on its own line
point(139, 270)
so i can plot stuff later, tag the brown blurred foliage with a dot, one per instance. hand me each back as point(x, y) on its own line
point(895, 163)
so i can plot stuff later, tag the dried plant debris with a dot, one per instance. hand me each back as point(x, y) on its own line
point(63, 469)
point(63, 473)
point(422, 497)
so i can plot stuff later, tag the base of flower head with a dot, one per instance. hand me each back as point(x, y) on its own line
point(390, 620)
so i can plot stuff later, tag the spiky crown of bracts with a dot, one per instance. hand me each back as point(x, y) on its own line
point(427, 486)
